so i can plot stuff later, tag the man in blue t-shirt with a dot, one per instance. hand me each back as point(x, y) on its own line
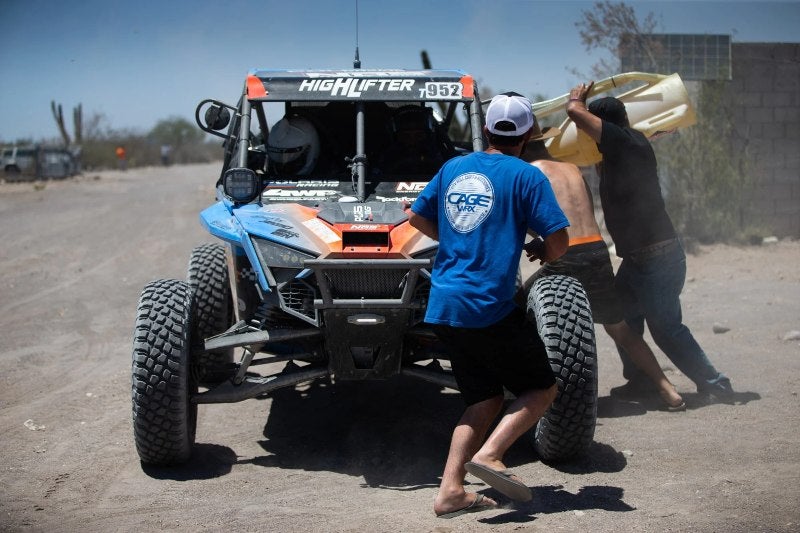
point(480, 207)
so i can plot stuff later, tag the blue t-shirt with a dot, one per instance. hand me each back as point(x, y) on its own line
point(483, 205)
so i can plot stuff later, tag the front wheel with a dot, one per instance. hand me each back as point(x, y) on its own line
point(561, 310)
point(207, 276)
point(164, 418)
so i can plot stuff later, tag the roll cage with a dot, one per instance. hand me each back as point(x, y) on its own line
point(351, 110)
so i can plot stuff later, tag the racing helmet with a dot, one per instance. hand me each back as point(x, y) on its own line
point(413, 117)
point(293, 147)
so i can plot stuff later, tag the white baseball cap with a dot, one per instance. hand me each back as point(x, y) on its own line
point(512, 109)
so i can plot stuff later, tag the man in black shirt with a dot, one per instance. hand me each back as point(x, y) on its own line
point(653, 270)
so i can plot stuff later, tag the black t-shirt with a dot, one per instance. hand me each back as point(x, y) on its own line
point(630, 194)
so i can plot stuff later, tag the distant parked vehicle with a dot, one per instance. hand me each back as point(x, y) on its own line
point(37, 162)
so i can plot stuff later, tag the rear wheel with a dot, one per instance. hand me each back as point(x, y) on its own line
point(564, 320)
point(208, 279)
point(164, 418)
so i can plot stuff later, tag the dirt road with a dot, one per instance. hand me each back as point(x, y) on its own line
point(353, 457)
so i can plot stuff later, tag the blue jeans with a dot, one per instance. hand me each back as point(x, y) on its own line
point(650, 281)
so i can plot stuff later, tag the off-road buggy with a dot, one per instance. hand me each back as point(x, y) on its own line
point(322, 273)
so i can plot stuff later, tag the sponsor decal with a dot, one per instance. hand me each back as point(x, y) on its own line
point(367, 227)
point(277, 184)
point(283, 184)
point(354, 87)
point(277, 222)
point(413, 186)
point(318, 183)
point(293, 193)
point(407, 199)
point(468, 201)
point(362, 213)
point(247, 274)
point(321, 230)
point(348, 86)
point(285, 233)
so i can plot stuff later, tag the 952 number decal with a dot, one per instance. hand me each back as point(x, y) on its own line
point(440, 89)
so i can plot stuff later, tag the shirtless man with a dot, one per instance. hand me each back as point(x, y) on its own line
point(587, 259)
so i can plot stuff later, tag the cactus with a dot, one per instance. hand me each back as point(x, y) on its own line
point(58, 115)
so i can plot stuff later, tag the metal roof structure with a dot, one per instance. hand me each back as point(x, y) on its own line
point(693, 56)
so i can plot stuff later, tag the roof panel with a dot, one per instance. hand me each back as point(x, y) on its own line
point(357, 84)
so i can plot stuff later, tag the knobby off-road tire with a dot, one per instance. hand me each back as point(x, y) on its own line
point(207, 276)
point(564, 320)
point(164, 419)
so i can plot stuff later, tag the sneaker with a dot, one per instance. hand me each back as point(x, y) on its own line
point(721, 390)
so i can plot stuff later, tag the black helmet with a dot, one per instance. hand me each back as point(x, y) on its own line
point(413, 117)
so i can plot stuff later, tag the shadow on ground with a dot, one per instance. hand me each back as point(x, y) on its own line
point(614, 406)
point(554, 499)
point(395, 433)
point(208, 461)
point(600, 458)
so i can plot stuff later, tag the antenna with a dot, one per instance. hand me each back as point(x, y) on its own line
point(357, 60)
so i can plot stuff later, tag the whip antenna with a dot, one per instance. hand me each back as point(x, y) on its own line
point(357, 60)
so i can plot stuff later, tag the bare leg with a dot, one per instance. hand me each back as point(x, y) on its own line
point(467, 438)
point(522, 415)
point(643, 357)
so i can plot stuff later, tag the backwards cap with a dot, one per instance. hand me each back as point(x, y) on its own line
point(610, 109)
point(514, 110)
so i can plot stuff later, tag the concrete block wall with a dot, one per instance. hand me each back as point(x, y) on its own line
point(765, 100)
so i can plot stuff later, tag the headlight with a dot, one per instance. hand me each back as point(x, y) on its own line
point(274, 255)
point(241, 185)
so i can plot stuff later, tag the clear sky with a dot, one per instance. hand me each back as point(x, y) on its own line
point(140, 61)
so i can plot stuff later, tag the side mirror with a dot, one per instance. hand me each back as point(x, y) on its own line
point(217, 117)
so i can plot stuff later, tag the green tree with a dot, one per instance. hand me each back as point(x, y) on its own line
point(609, 26)
point(706, 172)
point(181, 135)
point(704, 168)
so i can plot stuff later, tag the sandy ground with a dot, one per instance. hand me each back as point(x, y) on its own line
point(354, 457)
